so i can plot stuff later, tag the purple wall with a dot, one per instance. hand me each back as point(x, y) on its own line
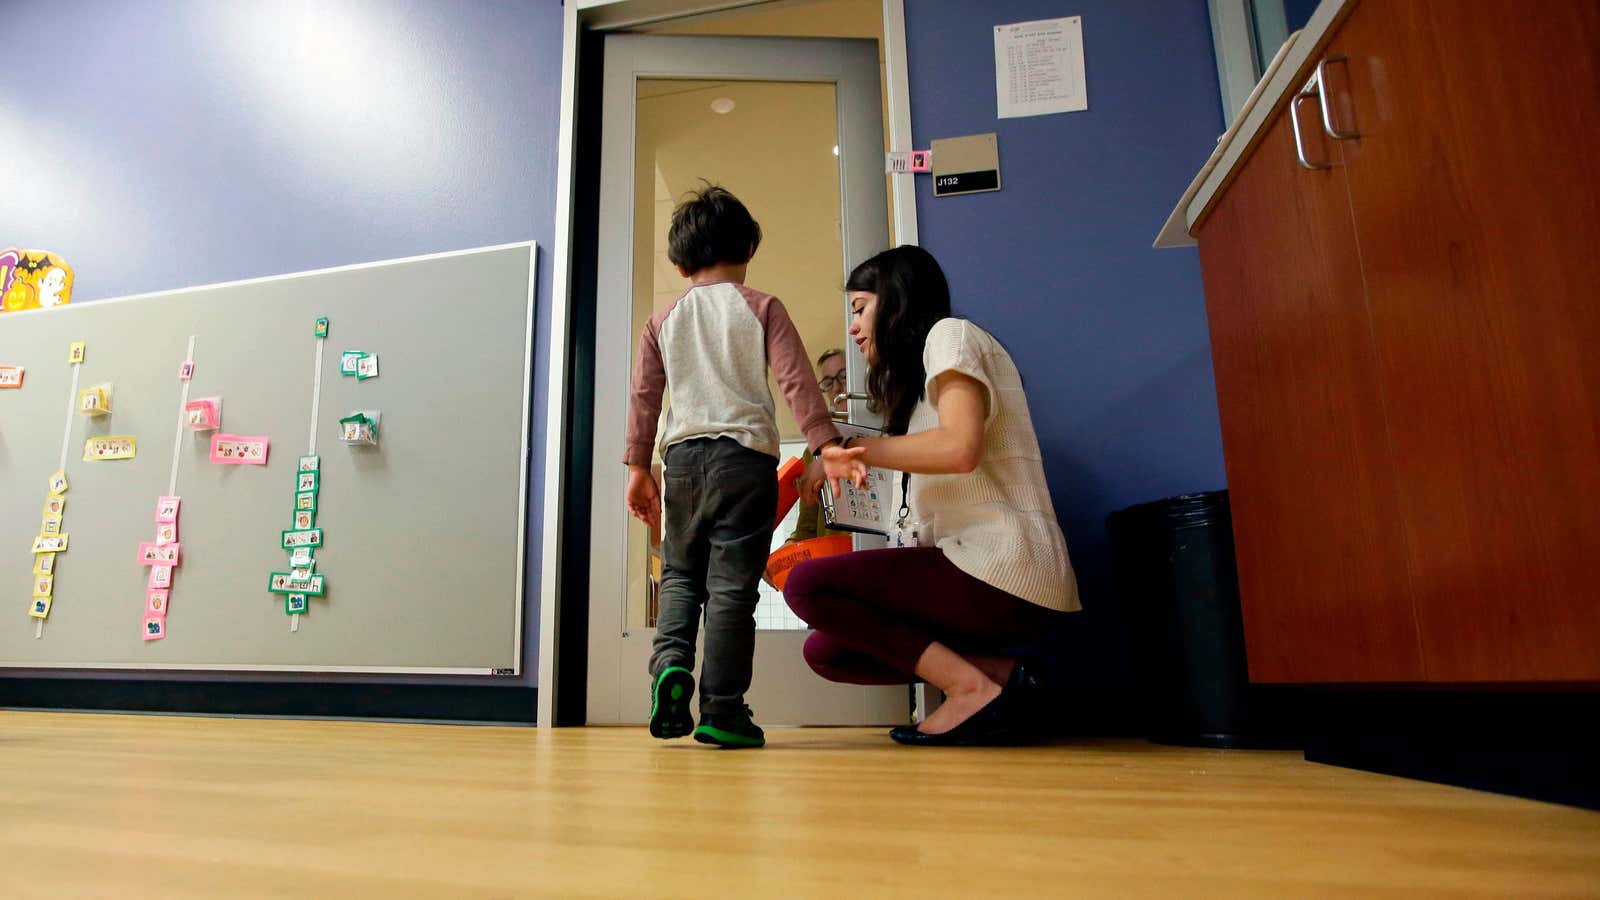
point(1110, 335)
point(171, 143)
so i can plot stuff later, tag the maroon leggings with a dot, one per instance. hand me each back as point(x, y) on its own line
point(876, 611)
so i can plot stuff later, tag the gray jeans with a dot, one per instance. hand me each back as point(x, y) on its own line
point(720, 500)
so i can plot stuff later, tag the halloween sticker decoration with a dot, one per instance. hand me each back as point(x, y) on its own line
point(33, 279)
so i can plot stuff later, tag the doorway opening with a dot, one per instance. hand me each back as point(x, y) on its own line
point(673, 114)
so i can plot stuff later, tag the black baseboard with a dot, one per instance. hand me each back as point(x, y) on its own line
point(1089, 713)
point(1539, 745)
point(1274, 717)
point(489, 703)
point(1534, 744)
point(1551, 774)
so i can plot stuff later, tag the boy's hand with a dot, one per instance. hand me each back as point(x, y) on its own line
point(809, 481)
point(644, 496)
point(839, 464)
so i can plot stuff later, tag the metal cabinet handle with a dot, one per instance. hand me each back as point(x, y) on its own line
point(1299, 142)
point(1322, 101)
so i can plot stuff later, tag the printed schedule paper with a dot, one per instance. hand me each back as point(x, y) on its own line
point(1038, 68)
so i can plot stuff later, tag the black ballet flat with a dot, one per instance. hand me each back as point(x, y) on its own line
point(1022, 678)
point(990, 726)
point(1026, 708)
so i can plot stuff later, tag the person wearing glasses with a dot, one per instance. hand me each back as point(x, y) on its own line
point(833, 380)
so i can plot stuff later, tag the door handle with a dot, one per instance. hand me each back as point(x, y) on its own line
point(1322, 101)
point(848, 395)
point(1294, 125)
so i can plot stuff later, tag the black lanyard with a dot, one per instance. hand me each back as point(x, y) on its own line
point(905, 498)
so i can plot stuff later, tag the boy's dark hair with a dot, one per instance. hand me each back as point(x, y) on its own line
point(711, 227)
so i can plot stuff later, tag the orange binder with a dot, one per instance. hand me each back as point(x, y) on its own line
point(788, 495)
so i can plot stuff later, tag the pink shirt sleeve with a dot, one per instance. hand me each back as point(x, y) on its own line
point(644, 401)
point(790, 363)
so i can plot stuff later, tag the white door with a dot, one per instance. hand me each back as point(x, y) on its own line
point(794, 128)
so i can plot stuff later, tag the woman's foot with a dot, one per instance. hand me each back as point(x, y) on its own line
point(989, 726)
point(959, 707)
point(975, 706)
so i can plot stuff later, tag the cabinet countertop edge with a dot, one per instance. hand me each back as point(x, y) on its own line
point(1282, 77)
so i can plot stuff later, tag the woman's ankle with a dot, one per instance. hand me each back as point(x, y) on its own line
point(979, 683)
point(997, 668)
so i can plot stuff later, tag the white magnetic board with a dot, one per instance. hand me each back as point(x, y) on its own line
point(423, 545)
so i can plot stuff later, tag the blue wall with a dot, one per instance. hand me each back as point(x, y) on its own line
point(1110, 335)
point(171, 143)
point(1297, 12)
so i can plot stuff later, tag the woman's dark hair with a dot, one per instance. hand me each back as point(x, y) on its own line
point(912, 296)
point(711, 226)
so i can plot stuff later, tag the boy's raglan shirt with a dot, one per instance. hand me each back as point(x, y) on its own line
point(711, 348)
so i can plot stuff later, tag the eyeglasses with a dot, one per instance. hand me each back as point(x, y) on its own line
point(833, 382)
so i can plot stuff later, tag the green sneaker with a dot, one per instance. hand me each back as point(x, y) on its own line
point(730, 731)
point(669, 704)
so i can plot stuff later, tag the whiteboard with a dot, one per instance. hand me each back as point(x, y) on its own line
point(423, 535)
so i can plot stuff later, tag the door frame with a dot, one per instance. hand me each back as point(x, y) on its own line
point(579, 16)
point(784, 687)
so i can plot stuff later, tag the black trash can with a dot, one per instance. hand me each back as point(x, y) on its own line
point(1180, 593)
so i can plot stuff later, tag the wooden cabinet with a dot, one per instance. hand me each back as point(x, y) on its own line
point(1303, 428)
point(1407, 351)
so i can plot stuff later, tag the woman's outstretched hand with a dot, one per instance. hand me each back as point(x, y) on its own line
point(839, 464)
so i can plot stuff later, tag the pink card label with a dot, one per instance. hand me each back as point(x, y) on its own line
point(203, 415)
point(155, 628)
point(155, 603)
point(236, 450)
point(160, 576)
point(167, 509)
point(154, 554)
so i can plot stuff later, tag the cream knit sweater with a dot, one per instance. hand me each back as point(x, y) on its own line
point(996, 523)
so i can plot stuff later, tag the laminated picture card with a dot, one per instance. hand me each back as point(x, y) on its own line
point(204, 414)
point(360, 427)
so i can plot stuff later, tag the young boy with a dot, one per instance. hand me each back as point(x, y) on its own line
point(711, 350)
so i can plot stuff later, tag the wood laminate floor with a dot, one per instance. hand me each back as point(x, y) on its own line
point(172, 807)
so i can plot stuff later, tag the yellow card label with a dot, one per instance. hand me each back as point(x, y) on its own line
point(52, 544)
